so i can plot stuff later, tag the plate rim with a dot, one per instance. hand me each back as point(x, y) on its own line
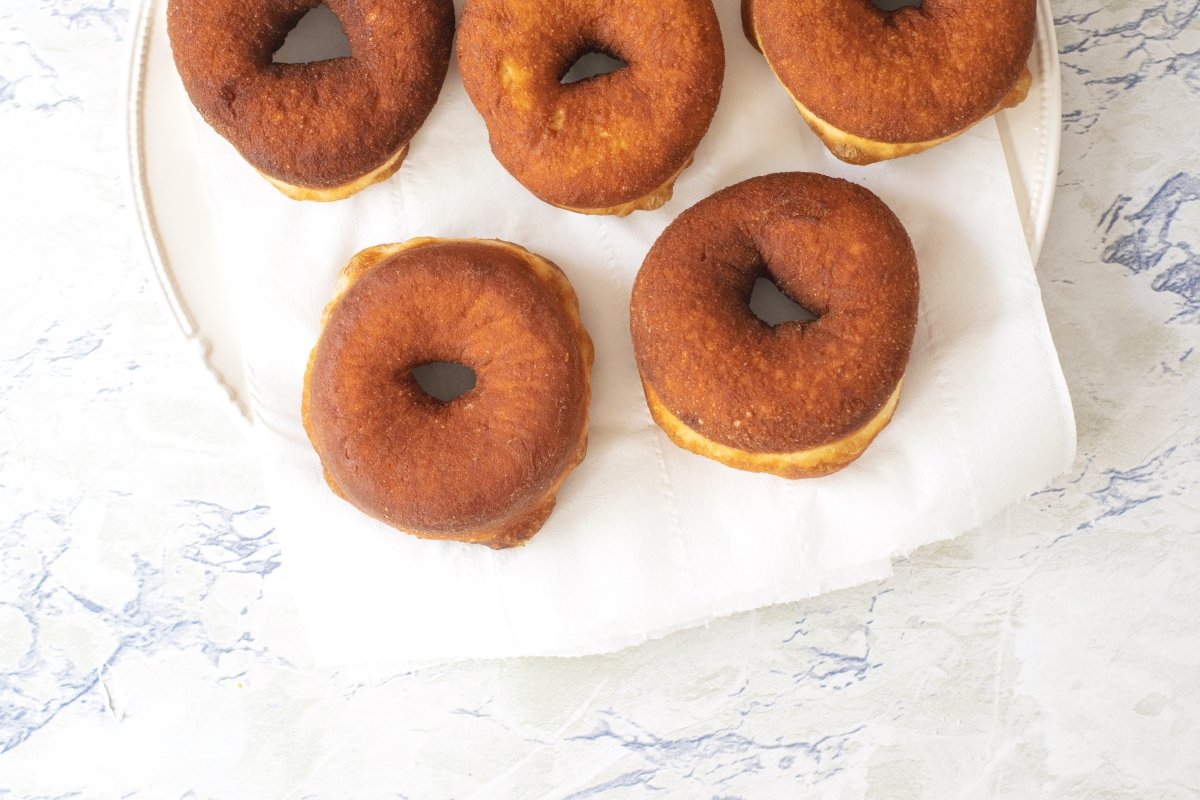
point(137, 188)
point(1050, 153)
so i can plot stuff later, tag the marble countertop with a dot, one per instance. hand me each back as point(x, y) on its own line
point(1053, 653)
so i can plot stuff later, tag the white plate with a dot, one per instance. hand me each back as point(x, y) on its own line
point(168, 189)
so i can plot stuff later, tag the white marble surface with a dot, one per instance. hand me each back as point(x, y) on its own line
point(144, 653)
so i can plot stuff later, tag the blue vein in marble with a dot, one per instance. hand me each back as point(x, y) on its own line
point(24, 75)
point(1148, 243)
point(1162, 22)
point(50, 355)
point(723, 755)
point(82, 14)
point(833, 670)
point(1117, 48)
point(215, 541)
point(713, 758)
point(28, 76)
point(1130, 488)
point(623, 781)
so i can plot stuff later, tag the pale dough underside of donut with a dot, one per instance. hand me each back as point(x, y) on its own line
point(381, 173)
point(811, 463)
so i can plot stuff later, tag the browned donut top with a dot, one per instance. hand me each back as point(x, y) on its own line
point(603, 141)
point(831, 246)
point(910, 75)
point(443, 468)
point(321, 124)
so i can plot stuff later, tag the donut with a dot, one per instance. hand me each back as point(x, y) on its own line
point(875, 85)
point(483, 467)
point(610, 144)
point(800, 399)
point(326, 129)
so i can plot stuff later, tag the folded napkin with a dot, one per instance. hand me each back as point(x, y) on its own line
point(646, 538)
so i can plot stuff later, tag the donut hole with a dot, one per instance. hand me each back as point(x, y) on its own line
point(773, 307)
point(896, 5)
point(317, 36)
point(591, 64)
point(444, 381)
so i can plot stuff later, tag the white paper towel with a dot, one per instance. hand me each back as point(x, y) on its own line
point(647, 538)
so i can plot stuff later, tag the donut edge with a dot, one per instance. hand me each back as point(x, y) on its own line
point(648, 202)
point(858, 150)
point(517, 529)
point(810, 463)
point(330, 194)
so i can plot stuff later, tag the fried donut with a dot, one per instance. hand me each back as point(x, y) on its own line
point(800, 399)
point(875, 85)
point(484, 467)
point(323, 130)
point(610, 144)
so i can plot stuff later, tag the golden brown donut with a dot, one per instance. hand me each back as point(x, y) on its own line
point(611, 144)
point(875, 84)
point(485, 466)
point(323, 130)
point(800, 399)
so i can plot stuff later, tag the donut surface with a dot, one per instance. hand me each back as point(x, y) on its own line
point(799, 399)
point(876, 84)
point(610, 144)
point(485, 466)
point(326, 129)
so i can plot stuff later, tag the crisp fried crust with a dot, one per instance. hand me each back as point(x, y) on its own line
point(611, 144)
point(321, 130)
point(799, 399)
point(486, 466)
point(876, 85)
